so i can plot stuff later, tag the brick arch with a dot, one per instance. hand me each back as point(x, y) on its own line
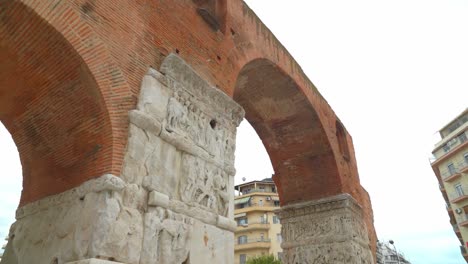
point(292, 132)
point(52, 104)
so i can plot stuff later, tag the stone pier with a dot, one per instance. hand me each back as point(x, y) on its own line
point(329, 230)
point(173, 202)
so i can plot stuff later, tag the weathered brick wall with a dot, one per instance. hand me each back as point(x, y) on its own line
point(82, 61)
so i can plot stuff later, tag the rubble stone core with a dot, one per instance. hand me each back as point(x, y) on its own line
point(173, 203)
point(328, 230)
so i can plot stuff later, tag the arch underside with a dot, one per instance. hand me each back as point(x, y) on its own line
point(303, 160)
point(51, 104)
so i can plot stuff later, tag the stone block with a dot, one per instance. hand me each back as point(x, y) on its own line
point(158, 199)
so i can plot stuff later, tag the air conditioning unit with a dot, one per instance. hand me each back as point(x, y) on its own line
point(268, 198)
point(458, 211)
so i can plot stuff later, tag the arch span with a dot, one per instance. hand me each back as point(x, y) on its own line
point(51, 104)
point(311, 152)
point(300, 151)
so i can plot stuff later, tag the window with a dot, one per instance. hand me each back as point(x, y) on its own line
point(264, 219)
point(465, 157)
point(279, 238)
point(459, 189)
point(275, 219)
point(451, 168)
point(446, 148)
point(273, 189)
point(276, 203)
point(242, 240)
point(462, 137)
point(260, 202)
point(261, 188)
point(242, 221)
point(242, 258)
point(262, 236)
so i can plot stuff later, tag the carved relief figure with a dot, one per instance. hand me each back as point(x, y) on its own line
point(177, 120)
point(204, 185)
point(192, 170)
point(175, 233)
point(222, 196)
point(187, 119)
point(229, 149)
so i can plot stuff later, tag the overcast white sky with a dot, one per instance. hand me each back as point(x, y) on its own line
point(394, 72)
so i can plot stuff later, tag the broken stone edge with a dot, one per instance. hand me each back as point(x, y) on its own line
point(178, 73)
point(94, 261)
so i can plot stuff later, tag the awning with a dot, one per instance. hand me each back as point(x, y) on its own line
point(242, 200)
point(275, 198)
point(240, 215)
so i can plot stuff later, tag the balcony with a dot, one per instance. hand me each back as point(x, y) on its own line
point(258, 208)
point(460, 198)
point(253, 243)
point(450, 175)
point(464, 220)
point(450, 151)
point(244, 227)
point(463, 166)
point(250, 191)
point(459, 194)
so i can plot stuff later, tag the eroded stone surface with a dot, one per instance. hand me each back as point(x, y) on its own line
point(329, 230)
point(94, 261)
point(173, 202)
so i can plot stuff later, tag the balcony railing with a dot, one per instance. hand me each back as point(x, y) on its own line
point(458, 195)
point(463, 219)
point(244, 192)
point(252, 240)
point(257, 205)
point(253, 223)
point(463, 166)
point(449, 175)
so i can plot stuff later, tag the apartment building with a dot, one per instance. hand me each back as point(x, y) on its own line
point(450, 165)
point(386, 254)
point(258, 228)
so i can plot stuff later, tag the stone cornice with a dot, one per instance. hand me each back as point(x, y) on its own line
point(176, 69)
point(321, 205)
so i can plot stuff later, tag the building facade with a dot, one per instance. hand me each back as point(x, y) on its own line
point(388, 255)
point(258, 228)
point(451, 168)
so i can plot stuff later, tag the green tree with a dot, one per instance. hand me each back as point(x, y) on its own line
point(265, 259)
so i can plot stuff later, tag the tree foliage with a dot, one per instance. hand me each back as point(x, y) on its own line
point(265, 259)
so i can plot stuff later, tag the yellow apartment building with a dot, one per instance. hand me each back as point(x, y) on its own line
point(258, 228)
point(451, 168)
